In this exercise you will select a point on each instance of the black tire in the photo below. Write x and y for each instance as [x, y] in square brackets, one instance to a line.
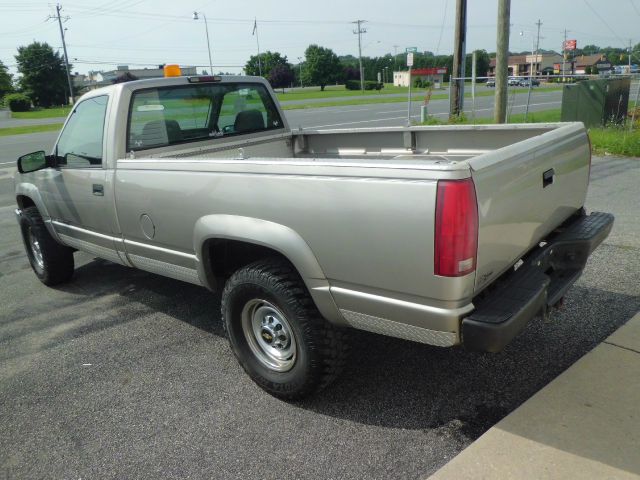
[320, 347]
[56, 263]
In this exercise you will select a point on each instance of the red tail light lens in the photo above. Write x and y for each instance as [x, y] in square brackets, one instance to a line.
[456, 232]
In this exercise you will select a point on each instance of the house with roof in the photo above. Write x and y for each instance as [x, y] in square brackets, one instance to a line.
[522, 65]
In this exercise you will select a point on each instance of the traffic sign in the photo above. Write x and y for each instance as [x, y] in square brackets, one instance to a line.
[411, 49]
[410, 60]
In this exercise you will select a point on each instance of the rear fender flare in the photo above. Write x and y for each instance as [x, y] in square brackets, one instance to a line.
[274, 236]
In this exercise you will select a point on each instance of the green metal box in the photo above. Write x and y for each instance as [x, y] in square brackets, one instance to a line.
[596, 102]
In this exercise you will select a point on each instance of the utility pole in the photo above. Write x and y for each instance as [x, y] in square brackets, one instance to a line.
[629, 56]
[359, 31]
[64, 48]
[395, 56]
[564, 53]
[456, 102]
[502, 61]
[534, 68]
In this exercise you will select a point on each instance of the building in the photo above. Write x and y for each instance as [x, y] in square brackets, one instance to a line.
[520, 65]
[433, 75]
[95, 80]
[596, 63]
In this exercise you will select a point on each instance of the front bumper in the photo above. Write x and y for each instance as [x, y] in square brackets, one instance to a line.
[538, 284]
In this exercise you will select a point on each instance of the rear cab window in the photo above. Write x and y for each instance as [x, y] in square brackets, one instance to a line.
[165, 116]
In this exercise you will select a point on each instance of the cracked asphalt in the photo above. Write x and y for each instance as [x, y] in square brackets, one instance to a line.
[125, 374]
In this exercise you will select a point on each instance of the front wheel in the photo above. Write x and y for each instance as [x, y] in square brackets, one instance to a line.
[277, 333]
[51, 262]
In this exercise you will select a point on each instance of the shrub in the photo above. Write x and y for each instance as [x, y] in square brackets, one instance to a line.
[368, 85]
[352, 84]
[17, 102]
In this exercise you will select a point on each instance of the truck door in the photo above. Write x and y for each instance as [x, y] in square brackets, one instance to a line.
[77, 191]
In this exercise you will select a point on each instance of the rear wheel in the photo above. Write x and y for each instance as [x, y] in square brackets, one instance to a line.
[51, 262]
[277, 333]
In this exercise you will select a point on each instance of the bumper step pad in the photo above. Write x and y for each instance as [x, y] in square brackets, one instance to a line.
[540, 282]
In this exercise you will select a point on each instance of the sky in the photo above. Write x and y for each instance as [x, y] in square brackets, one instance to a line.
[101, 35]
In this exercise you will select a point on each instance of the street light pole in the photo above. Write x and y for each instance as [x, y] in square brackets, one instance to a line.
[206, 29]
[300, 65]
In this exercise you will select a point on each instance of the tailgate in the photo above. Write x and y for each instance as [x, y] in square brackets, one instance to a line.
[524, 191]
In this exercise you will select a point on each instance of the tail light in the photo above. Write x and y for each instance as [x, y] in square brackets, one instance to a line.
[456, 232]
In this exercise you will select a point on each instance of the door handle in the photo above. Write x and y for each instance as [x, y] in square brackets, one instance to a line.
[547, 177]
[98, 190]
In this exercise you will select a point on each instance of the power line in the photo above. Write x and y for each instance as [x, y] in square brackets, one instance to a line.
[444, 18]
[604, 22]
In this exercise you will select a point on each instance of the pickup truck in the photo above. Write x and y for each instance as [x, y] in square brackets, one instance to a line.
[445, 235]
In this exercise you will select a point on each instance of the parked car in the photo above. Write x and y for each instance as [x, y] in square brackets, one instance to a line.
[525, 82]
[446, 235]
[491, 82]
[514, 81]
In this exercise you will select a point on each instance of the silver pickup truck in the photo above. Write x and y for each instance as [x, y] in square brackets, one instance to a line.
[446, 235]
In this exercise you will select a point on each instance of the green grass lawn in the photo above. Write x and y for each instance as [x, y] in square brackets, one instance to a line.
[43, 113]
[29, 129]
[615, 141]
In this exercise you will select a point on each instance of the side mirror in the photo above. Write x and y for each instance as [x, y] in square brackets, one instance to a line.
[33, 161]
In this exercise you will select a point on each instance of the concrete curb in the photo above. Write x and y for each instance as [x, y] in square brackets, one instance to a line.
[585, 424]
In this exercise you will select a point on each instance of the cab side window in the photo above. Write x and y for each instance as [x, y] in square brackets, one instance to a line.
[81, 141]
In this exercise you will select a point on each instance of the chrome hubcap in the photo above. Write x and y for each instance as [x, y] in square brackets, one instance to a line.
[269, 335]
[35, 249]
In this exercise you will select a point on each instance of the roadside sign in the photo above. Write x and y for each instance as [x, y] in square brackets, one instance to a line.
[411, 50]
[410, 59]
[570, 44]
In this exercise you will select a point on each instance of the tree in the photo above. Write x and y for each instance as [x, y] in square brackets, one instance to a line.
[6, 83]
[322, 66]
[43, 75]
[482, 63]
[590, 49]
[280, 76]
[268, 60]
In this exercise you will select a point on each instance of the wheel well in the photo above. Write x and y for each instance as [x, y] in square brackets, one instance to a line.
[222, 257]
[24, 202]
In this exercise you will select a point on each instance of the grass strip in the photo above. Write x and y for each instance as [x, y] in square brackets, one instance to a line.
[615, 141]
[612, 140]
[44, 113]
[49, 127]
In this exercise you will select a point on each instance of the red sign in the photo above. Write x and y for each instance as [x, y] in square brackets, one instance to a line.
[429, 71]
[570, 44]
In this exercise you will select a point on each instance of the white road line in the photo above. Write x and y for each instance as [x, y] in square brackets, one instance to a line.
[360, 121]
[8, 163]
[313, 110]
[433, 114]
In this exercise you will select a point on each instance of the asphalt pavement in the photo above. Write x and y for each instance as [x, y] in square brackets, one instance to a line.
[125, 374]
[122, 373]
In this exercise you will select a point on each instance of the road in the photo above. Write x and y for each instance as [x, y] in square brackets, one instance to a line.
[347, 116]
[125, 374]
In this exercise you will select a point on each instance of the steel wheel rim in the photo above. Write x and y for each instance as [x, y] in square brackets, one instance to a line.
[269, 335]
[36, 250]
